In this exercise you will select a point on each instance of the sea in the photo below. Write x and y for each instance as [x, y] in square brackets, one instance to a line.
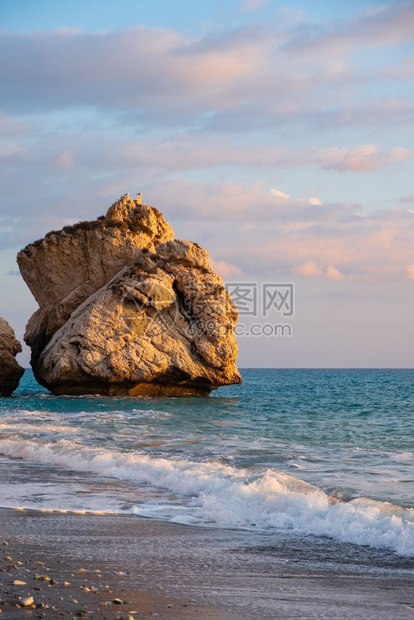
[323, 454]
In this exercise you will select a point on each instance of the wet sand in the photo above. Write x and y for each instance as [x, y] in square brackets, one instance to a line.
[113, 567]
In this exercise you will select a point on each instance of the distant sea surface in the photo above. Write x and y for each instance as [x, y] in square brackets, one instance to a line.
[319, 453]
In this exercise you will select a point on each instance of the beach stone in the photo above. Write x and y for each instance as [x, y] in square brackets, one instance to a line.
[155, 321]
[26, 602]
[10, 371]
[17, 582]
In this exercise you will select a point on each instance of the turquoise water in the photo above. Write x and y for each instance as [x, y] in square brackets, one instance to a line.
[318, 452]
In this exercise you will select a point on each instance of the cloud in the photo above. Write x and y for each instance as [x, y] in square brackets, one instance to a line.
[332, 273]
[226, 269]
[380, 26]
[260, 232]
[11, 127]
[279, 194]
[410, 272]
[236, 79]
[408, 198]
[364, 158]
[65, 159]
[254, 5]
[179, 151]
[87, 117]
[247, 228]
[309, 269]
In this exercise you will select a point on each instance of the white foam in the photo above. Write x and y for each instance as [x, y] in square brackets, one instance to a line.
[225, 496]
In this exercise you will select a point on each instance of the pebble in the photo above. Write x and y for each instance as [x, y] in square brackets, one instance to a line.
[8, 559]
[26, 602]
[117, 601]
[17, 582]
[66, 584]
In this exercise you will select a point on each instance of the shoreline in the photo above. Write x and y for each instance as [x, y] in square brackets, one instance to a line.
[36, 550]
[164, 570]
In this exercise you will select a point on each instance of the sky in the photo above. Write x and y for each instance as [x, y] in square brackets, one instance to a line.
[277, 135]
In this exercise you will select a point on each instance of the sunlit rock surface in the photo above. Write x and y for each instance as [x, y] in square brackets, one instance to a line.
[10, 371]
[127, 310]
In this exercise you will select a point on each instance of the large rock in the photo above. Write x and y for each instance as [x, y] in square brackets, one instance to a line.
[10, 371]
[67, 266]
[154, 320]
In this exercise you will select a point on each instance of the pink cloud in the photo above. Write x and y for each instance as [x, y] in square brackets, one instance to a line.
[65, 159]
[332, 273]
[241, 75]
[309, 269]
[226, 269]
[410, 272]
[249, 227]
[364, 158]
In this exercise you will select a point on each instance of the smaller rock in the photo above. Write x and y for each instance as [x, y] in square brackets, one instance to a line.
[10, 371]
[17, 582]
[117, 601]
[26, 602]
[8, 559]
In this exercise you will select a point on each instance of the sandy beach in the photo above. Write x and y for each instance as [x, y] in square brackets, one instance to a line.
[107, 567]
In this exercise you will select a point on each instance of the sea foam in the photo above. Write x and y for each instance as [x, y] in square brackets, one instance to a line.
[221, 495]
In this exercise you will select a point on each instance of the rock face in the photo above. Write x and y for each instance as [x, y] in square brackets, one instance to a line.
[66, 267]
[127, 310]
[10, 371]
